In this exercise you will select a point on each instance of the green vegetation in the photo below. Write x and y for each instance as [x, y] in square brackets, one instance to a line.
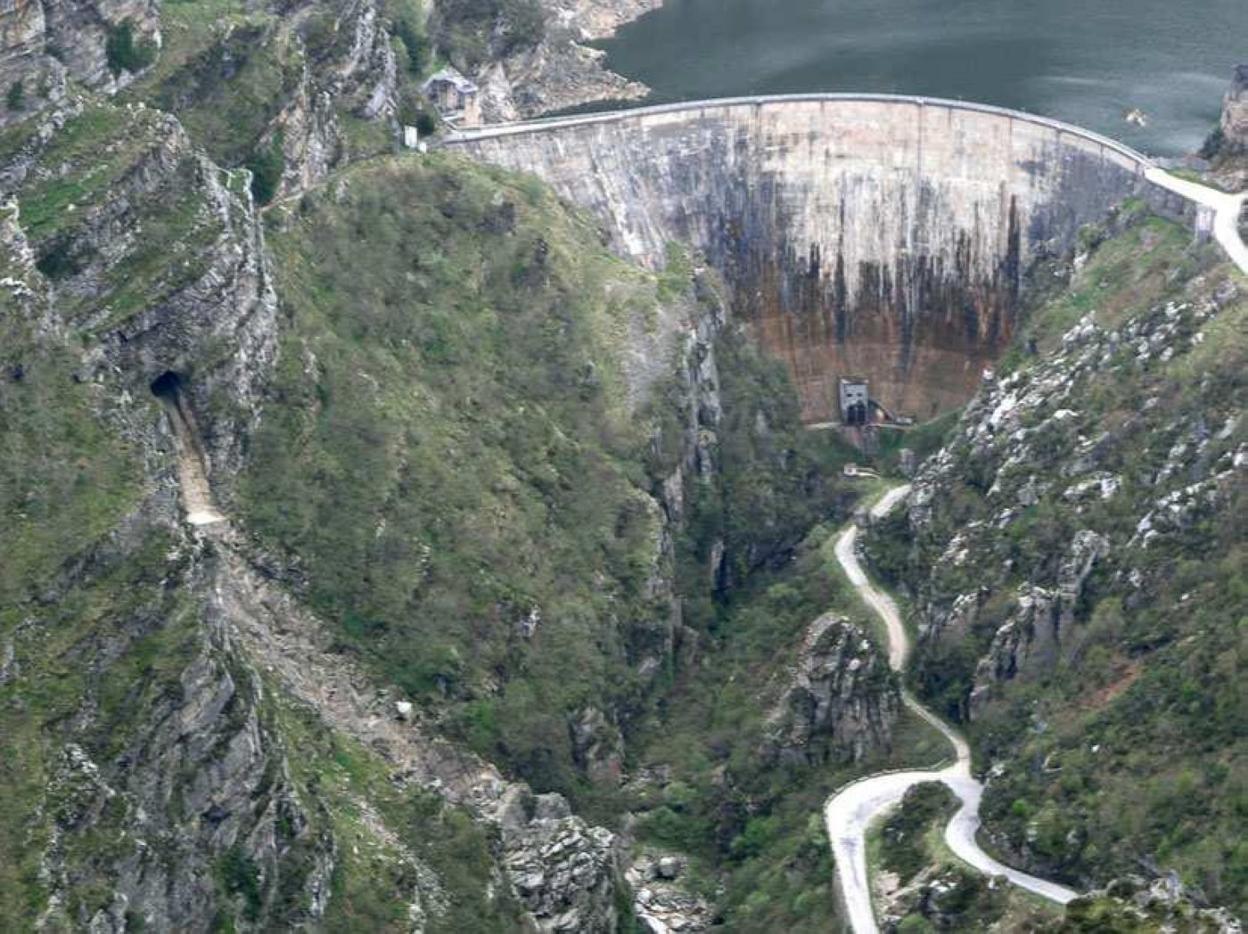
[227, 70]
[413, 45]
[902, 838]
[1127, 743]
[15, 97]
[101, 147]
[124, 52]
[450, 440]
[750, 823]
[266, 166]
[356, 789]
[1135, 257]
[469, 32]
[64, 479]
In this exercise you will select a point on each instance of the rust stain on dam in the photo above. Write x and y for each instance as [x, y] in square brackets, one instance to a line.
[871, 236]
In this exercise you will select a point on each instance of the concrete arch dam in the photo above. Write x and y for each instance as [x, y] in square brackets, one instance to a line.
[866, 235]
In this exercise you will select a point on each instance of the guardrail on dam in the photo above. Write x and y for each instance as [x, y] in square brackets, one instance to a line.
[874, 235]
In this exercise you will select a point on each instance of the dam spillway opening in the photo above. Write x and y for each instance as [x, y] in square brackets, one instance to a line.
[869, 237]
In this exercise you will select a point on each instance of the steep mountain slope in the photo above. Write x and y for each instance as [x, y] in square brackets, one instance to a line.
[146, 762]
[1075, 557]
[505, 601]
[456, 443]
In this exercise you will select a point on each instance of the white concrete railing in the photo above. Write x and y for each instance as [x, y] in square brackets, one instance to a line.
[1225, 208]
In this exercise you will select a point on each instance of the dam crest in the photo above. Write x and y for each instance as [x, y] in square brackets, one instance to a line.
[860, 234]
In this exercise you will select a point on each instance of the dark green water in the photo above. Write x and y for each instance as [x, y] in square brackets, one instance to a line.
[1085, 61]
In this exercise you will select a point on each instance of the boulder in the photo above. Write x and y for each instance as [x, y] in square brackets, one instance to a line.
[840, 701]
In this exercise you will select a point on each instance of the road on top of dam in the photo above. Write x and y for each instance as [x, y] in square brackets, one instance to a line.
[849, 812]
[1224, 207]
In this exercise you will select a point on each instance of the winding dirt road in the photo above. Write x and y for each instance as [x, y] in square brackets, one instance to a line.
[848, 813]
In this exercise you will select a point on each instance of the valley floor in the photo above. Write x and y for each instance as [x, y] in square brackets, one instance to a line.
[854, 808]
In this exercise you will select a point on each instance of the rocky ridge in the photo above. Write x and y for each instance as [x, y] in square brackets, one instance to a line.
[563, 870]
[1049, 551]
[46, 43]
[839, 702]
[561, 71]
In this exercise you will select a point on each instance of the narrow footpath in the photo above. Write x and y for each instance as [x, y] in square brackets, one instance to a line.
[849, 812]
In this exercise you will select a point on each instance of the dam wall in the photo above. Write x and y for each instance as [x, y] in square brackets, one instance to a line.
[865, 235]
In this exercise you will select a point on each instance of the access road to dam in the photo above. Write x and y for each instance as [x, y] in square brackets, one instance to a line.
[849, 812]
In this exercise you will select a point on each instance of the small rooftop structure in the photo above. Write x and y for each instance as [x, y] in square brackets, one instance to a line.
[457, 98]
[854, 400]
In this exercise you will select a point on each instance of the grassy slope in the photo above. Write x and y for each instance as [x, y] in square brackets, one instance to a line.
[448, 450]
[1141, 722]
[94, 639]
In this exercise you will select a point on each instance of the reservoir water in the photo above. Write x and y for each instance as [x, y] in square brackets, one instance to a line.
[1089, 62]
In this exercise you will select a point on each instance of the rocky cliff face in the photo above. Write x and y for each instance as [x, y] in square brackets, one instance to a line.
[358, 77]
[45, 42]
[558, 70]
[161, 261]
[290, 90]
[840, 701]
[1234, 122]
[1228, 144]
[1045, 547]
[179, 768]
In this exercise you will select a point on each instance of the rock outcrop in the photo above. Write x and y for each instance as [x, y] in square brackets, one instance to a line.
[1234, 122]
[45, 42]
[153, 306]
[1227, 146]
[357, 77]
[1030, 640]
[840, 701]
[560, 71]
[166, 766]
[660, 901]
[1162, 904]
[563, 870]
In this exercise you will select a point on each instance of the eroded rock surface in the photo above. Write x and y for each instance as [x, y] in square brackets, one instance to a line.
[44, 43]
[840, 701]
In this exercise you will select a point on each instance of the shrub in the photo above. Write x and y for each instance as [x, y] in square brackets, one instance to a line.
[240, 876]
[415, 44]
[267, 164]
[16, 96]
[426, 125]
[470, 31]
[124, 52]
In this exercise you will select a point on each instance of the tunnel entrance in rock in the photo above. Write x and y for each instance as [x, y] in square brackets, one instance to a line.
[167, 385]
